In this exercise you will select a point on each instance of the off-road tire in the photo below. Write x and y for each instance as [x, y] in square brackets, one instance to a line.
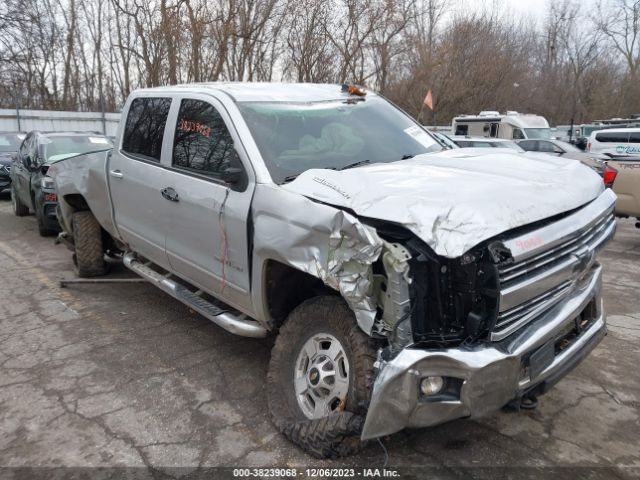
[19, 208]
[87, 238]
[338, 434]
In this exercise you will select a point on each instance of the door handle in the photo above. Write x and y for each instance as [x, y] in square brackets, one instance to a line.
[116, 173]
[170, 194]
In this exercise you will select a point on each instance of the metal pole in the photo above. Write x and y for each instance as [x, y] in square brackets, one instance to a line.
[18, 113]
[571, 131]
[104, 120]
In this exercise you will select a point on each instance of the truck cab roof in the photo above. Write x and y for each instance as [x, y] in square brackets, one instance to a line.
[263, 91]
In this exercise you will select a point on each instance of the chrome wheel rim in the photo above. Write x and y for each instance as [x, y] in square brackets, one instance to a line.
[321, 376]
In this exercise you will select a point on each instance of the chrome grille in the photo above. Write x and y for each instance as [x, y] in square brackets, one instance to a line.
[539, 279]
[546, 259]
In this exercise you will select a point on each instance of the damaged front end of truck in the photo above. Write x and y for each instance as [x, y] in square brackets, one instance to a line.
[508, 318]
[476, 299]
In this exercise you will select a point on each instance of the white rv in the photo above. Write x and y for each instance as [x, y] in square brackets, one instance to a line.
[511, 125]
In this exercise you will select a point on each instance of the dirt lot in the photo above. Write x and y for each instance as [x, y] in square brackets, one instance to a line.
[123, 375]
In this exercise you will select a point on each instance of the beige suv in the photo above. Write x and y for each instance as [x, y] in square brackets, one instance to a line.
[627, 187]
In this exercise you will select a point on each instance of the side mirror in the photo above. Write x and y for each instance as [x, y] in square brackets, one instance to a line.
[232, 175]
[235, 175]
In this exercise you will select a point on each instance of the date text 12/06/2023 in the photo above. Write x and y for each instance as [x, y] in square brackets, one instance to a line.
[316, 472]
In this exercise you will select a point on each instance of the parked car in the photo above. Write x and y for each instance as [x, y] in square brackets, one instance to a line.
[566, 150]
[626, 185]
[509, 125]
[9, 144]
[409, 285]
[484, 142]
[31, 187]
[607, 173]
[615, 142]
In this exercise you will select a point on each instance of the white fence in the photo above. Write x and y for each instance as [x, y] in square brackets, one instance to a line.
[51, 121]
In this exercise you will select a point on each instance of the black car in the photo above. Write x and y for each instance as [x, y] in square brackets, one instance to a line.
[9, 144]
[31, 188]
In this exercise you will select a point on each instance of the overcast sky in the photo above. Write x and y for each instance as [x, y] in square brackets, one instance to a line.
[535, 9]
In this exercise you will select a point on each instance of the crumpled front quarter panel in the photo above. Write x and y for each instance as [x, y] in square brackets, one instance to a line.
[321, 240]
[86, 175]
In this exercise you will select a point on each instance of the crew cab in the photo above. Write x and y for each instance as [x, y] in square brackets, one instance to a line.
[408, 285]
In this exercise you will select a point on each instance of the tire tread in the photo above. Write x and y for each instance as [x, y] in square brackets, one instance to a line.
[87, 238]
[336, 435]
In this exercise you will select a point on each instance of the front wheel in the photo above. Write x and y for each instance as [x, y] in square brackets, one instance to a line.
[319, 378]
[87, 239]
[19, 208]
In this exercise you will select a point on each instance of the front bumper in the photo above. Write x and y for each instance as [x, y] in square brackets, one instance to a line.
[486, 376]
[48, 209]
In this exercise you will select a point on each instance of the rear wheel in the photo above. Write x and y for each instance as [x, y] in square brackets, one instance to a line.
[19, 208]
[319, 378]
[87, 239]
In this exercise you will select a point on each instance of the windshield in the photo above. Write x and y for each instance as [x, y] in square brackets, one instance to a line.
[543, 133]
[60, 147]
[295, 137]
[10, 142]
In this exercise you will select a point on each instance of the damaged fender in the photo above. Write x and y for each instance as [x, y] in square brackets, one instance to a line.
[321, 240]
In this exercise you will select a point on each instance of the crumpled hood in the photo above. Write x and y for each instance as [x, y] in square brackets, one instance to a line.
[454, 200]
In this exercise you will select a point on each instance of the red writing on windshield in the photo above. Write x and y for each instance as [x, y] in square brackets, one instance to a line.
[191, 126]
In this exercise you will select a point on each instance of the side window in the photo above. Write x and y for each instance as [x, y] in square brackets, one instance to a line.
[144, 129]
[462, 130]
[634, 137]
[202, 141]
[493, 130]
[24, 148]
[612, 137]
[517, 134]
[528, 145]
[546, 147]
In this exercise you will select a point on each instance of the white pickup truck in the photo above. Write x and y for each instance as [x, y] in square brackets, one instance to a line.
[408, 285]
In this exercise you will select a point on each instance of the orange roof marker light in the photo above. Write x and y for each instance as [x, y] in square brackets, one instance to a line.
[354, 90]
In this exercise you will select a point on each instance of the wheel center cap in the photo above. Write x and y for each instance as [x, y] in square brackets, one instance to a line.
[314, 376]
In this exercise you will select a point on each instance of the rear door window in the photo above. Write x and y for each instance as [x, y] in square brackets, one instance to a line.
[202, 142]
[144, 130]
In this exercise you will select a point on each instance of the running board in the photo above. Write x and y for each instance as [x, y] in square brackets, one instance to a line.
[219, 316]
